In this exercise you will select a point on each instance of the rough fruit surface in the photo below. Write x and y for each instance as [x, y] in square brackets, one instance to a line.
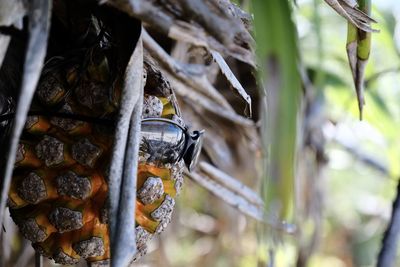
[59, 187]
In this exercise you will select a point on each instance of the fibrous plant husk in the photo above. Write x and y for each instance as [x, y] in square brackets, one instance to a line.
[49, 158]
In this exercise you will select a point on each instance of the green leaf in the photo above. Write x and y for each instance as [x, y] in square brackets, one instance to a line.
[278, 58]
[358, 49]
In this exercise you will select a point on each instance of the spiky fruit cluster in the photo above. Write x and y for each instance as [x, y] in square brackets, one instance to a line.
[59, 187]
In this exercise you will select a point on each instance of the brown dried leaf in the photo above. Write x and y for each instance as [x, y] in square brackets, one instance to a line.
[352, 14]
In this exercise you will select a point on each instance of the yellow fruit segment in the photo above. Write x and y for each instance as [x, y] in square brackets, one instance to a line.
[58, 193]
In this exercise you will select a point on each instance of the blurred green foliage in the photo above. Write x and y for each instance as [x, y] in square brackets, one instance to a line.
[358, 181]
[357, 195]
[278, 57]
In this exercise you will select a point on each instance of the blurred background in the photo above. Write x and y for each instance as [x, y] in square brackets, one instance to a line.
[347, 192]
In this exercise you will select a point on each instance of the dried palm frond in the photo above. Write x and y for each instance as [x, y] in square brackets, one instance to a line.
[349, 10]
[212, 24]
